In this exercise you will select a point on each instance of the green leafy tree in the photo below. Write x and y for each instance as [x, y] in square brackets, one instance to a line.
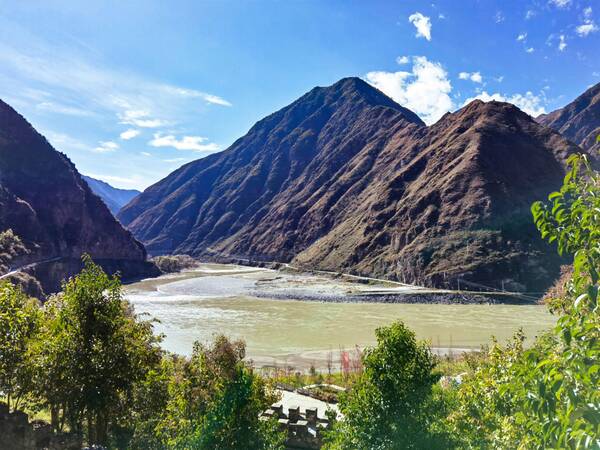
[19, 319]
[215, 402]
[392, 405]
[92, 353]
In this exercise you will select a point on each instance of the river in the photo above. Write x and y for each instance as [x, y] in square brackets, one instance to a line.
[234, 300]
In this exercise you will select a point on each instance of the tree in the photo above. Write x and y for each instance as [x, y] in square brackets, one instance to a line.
[92, 352]
[19, 319]
[548, 396]
[392, 405]
[215, 402]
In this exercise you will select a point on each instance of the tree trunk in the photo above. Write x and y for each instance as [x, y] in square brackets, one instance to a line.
[90, 424]
[101, 429]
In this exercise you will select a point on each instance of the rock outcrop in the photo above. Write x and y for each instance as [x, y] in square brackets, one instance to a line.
[346, 179]
[44, 200]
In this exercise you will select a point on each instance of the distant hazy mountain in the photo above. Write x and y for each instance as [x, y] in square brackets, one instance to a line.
[579, 121]
[346, 179]
[44, 200]
[114, 198]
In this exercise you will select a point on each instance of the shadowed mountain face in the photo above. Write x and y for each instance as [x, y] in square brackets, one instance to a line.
[47, 204]
[113, 197]
[579, 121]
[346, 179]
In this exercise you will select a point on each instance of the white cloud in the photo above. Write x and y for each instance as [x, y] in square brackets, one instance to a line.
[587, 12]
[425, 90]
[195, 143]
[140, 119]
[529, 103]
[530, 14]
[522, 37]
[499, 79]
[145, 154]
[474, 77]
[175, 160]
[62, 109]
[586, 28]
[562, 44]
[561, 3]
[499, 17]
[129, 134]
[63, 142]
[120, 182]
[422, 24]
[441, 16]
[66, 80]
[106, 147]
[530, 50]
[402, 59]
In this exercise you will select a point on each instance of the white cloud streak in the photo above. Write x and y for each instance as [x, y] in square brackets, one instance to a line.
[194, 143]
[422, 24]
[561, 3]
[586, 29]
[562, 44]
[129, 134]
[106, 147]
[475, 77]
[528, 102]
[424, 90]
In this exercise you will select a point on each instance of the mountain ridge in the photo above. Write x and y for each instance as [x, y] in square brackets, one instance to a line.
[364, 186]
[45, 201]
[114, 198]
[579, 120]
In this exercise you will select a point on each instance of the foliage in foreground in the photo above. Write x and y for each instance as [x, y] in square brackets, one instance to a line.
[548, 396]
[392, 405]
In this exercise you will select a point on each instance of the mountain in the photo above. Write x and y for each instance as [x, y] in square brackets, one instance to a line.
[346, 179]
[114, 198]
[44, 200]
[579, 121]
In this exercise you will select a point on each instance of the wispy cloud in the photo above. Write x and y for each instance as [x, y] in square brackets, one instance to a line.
[587, 28]
[522, 37]
[106, 147]
[129, 134]
[194, 143]
[59, 80]
[424, 90]
[530, 50]
[528, 102]
[562, 43]
[62, 109]
[561, 3]
[422, 23]
[474, 76]
[402, 60]
[140, 119]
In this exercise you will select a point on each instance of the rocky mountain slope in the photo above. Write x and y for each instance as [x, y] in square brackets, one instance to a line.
[44, 200]
[113, 197]
[579, 121]
[346, 179]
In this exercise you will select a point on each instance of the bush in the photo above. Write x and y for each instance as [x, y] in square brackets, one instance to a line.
[392, 405]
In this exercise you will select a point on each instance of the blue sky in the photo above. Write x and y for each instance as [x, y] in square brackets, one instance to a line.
[131, 90]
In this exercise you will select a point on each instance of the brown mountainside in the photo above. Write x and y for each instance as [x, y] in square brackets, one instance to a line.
[345, 179]
[579, 121]
[44, 200]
